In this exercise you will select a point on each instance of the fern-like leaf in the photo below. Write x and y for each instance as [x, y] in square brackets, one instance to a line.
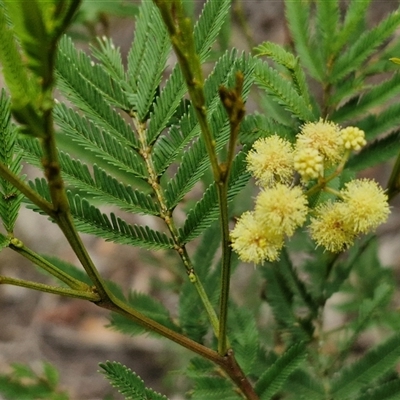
[290, 62]
[100, 142]
[166, 104]
[384, 122]
[128, 383]
[364, 371]
[327, 18]
[352, 25]
[386, 391]
[101, 186]
[213, 388]
[10, 198]
[205, 33]
[304, 387]
[272, 380]
[209, 25]
[13, 69]
[298, 16]
[377, 96]
[111, 60]
[89, 219]
[363, 47]
[83, 93]
[281, 299]
[282, 90]
[153, 63]
[92, 73]
[245, 337]
[370, 307]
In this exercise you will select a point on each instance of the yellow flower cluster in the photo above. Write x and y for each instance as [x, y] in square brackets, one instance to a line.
[281, 208]
[363, 207]
[260, 235]
[271, 160]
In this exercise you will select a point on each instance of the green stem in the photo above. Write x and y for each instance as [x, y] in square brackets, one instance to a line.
[66, 225]
[166, 215]
[207, 304]
[19, 247]
[181, 33]
[234, 106]
[41, 287]
[225, 270]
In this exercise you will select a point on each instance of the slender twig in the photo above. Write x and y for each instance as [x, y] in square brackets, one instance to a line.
[41, 287]
[181, 33]
[234, 106]
[166, 215]
[18, 246]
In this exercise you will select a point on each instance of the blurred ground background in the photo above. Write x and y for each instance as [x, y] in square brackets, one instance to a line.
[71, 333]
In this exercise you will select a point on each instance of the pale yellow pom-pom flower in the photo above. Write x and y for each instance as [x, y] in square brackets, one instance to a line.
[308, 163]
[323, 136]
[353, 138]
[329, 228]
[271, 160]
[253, 242]
[283, 209]
[366, 204]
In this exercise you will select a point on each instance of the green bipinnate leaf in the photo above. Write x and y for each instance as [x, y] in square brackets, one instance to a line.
[361, 373]
[128, 383]
[272, 380]
[10, 197]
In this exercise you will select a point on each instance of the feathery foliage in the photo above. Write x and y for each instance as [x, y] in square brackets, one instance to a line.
[128, 383]
[143, 152]
[10, 198]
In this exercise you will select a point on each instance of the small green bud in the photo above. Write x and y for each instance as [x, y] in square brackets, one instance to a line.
[17, 243]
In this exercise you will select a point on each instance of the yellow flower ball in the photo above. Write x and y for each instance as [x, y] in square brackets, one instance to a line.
[271, 160]
[353, 138]
[308, 163]
[253, 242]
[324, 137]
[283, 209]
[329, 228]
[366, 205]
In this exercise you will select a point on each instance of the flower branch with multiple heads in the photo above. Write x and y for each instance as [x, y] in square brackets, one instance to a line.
[317, 157]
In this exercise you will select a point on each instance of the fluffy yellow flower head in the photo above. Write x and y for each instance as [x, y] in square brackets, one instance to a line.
[353, 138]
[366, 204]
[271, 160]
[329, 229]
[253, 242]
[281, 208]
[308, 163]
[324, 137]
